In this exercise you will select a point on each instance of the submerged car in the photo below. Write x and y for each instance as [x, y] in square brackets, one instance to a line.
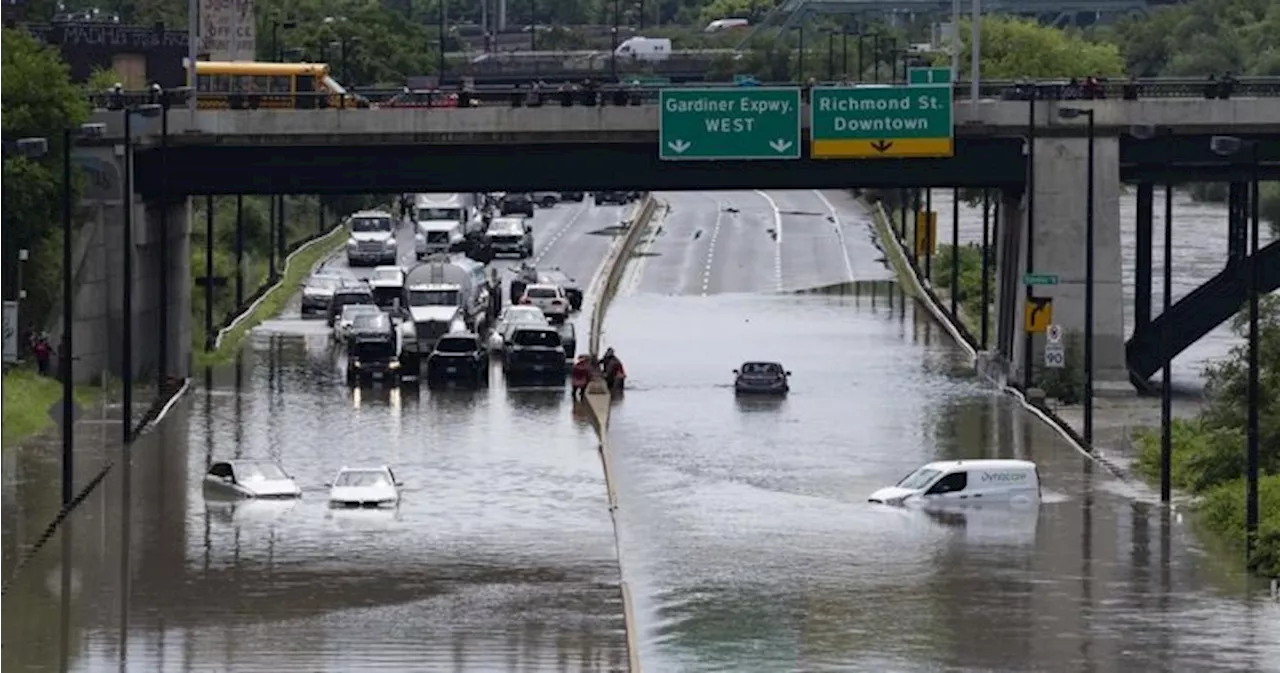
[549, 298]
[534, 352]
[572, 292]
[762, 378]
[458, 356]
[349, 293]
[342, 326]
[964, 482]
[364, 487]
[250, 479]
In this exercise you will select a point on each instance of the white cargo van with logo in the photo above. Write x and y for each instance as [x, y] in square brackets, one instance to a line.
[955, 482]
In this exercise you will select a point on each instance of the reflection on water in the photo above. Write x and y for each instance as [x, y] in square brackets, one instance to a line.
[500, 556]
[748, 544]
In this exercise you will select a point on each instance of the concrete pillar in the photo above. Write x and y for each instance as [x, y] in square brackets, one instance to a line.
[1060, 192]
[98, 259]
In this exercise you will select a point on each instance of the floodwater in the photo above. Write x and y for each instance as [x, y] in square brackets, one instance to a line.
[501, 555]
[745, 536]
[1199, 253]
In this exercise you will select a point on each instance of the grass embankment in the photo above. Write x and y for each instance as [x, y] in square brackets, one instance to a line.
[302, 223]
[28, 398]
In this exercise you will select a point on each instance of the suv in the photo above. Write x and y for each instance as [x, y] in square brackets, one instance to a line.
[348, 294]
[573, 196]
[602, 198]
[509, 236]
[458, 356]
[516, 204]
[373, 349]
[570, 286]
[546, 199]
[534, 352]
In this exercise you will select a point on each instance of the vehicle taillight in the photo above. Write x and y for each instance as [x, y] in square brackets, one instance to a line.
[524, 300]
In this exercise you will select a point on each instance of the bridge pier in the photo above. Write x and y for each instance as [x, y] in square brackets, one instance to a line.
[161, 271]
[1058, 248]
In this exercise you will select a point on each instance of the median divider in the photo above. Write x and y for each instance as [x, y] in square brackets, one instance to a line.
[599, 399]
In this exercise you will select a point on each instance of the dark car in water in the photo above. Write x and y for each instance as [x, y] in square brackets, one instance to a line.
[534, 352]
[460, 357]
[516, 204]
[761, 378]
[348, 294]
[373, 349]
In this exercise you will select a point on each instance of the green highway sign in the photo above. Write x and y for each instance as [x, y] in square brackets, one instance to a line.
[1039, 279]
[928, 76]
[881, 122]
[727, 124]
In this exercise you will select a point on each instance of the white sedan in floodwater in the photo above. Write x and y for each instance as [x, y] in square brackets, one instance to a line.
[364, 487]
[249, 479]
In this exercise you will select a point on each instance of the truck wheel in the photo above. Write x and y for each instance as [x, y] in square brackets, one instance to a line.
[548, 202]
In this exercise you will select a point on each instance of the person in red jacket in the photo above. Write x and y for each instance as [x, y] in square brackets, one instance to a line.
[580, 376]
[43, 352]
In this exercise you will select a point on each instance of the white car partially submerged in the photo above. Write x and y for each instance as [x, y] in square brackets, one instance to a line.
[511, 317]
[951, 483]
[250, 479]
[364, 487]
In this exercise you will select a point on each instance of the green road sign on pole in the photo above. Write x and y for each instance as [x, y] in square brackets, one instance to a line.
[1039, 279]
[728, 124]
[881, 122]
[928, 76]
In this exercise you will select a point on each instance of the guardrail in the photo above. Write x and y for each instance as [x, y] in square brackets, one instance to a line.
[562, 93]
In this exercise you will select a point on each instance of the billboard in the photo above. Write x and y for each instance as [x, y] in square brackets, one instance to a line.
[227, 30]
[10, 332]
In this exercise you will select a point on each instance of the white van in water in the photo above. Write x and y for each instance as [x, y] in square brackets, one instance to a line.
[955, 482]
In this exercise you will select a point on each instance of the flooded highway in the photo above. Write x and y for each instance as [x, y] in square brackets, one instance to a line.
[746, 538]
[500, 557]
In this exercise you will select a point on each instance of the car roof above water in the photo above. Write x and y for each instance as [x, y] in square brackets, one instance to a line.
[980, 464]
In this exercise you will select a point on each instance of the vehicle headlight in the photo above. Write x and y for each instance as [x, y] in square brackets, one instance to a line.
[420, 238]
[394, 365]
[352, 243]
[390, 243]
[355, 363]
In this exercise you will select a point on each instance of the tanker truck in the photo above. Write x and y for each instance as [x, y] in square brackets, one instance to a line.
[442, 292]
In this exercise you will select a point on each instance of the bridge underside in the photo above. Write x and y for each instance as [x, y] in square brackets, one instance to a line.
[354, 169]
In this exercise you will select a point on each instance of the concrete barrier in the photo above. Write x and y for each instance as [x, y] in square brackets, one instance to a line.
[599, 399]
[615, 265]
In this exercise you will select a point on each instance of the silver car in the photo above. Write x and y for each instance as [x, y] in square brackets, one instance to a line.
[317, 292]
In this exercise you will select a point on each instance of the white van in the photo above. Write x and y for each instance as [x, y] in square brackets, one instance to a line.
[726, 24]
[955, 482]
[645, 48]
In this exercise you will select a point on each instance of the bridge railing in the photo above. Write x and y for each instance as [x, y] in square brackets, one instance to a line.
[556, 93]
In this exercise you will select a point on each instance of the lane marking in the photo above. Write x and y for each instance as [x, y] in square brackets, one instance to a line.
[777, 230]
[568, 224]
[844, 246]
[711, 248]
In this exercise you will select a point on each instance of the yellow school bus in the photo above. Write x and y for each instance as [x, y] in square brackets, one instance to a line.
[242, 85]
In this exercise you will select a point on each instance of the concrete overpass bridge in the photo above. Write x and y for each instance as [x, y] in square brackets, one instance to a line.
[400, 150]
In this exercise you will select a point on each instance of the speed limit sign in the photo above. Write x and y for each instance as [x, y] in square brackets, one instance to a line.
[1053, 334]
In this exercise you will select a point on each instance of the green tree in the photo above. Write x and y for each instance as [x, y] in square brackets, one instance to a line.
[39, 100]
[1013, 48]
[1202, 37]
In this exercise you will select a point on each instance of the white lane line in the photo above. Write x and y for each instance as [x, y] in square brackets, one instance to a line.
[568, 224]
[711, 248]
[777, 230]
[844, 246]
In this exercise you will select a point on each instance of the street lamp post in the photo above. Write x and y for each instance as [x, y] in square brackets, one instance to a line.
[276, 25]
[831, 56]
[442, 29]
[30, 147]
[126, 373]
[1231, 146]
[1088, 113]
[64, 349]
